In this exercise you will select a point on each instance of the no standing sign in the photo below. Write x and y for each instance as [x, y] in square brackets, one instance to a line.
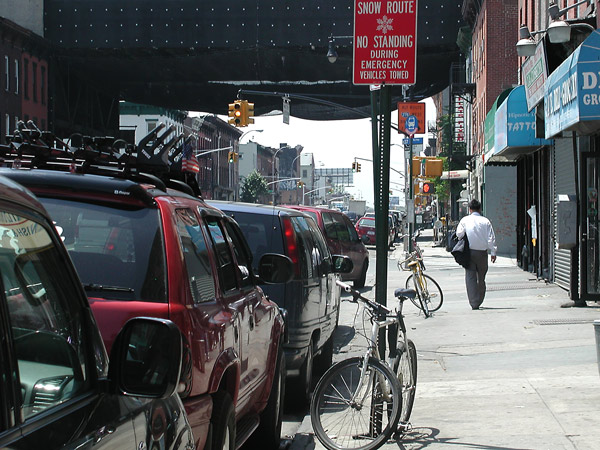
[385, 41]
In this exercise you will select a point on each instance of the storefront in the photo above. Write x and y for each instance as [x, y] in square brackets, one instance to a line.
[572, 113]
[524, 158]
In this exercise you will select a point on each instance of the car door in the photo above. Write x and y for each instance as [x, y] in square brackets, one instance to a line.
[47, 350]
[243, 302]
[330, 231]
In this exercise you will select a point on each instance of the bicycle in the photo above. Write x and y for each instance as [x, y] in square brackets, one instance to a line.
[429, 296]
[359, 402]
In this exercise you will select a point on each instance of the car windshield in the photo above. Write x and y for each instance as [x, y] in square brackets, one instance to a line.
[117, 249]
[368, 223]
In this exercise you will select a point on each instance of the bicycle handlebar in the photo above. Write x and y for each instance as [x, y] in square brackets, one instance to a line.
[374, 306]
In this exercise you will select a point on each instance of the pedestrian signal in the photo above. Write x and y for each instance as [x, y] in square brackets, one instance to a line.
[428, 188]
[235, 112]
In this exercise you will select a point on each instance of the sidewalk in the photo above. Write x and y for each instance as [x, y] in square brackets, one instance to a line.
[521, 373]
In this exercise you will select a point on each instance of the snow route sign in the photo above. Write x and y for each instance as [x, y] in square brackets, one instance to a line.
[385, 41]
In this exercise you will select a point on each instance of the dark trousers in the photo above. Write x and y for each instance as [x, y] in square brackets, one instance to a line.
[475, 277]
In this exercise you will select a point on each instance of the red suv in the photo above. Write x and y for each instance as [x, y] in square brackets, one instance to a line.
[342, 239]
[144, 247]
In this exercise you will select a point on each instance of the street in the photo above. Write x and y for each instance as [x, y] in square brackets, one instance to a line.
[521, 373]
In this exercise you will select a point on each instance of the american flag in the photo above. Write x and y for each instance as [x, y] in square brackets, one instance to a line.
[189, 162]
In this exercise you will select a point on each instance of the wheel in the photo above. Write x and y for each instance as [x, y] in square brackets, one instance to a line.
[405, 366]
[433, 295]
[302, 388]
[360, 283]
[365, 422]
[325, 358]
[268, 433]
[223, 422]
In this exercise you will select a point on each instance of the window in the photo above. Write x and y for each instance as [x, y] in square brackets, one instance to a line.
[227, 273]
[151, 125]
[46, 321]
[16, 76]
[7, 73]
[329, 226]
[43, 87]
[124, 240]
[26, 79]
[195, 252]
[34, 84]
[242, 254]
[7, 125]
[341, 228]
[308, 255]
[304, 173]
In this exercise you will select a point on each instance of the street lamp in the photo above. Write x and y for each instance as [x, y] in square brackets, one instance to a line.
[332, 55]
[273, 170]
[559, 31]
[248, 132]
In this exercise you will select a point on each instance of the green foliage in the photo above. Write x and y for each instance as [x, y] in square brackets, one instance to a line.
[253, 186]
[442, 187]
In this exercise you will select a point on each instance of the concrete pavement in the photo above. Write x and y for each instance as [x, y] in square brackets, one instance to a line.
[521, 373]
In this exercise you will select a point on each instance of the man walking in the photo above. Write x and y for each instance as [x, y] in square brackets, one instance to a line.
[481, 238]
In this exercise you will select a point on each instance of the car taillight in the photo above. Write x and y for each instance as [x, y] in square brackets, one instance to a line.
[290, 243]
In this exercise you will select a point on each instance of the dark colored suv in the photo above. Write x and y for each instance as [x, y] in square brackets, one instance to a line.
[58, 388]
[311, 298]
[342, 239]
[145, 246]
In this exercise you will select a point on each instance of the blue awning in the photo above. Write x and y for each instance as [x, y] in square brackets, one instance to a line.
[514, 127]
[572, 91]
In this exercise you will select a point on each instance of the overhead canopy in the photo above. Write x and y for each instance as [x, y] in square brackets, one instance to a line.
[489, 124]
[572, 91]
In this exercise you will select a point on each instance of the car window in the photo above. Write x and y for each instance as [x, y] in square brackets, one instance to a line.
[197, 259]
[340, 227]
[329, 225]
[45, 318]
[309, 256]
[366, 222]
[319, 241]
[239, 249]
[125, 242]
[225, 263]
[351, 230]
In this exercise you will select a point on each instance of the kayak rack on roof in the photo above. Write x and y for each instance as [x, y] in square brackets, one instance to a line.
[153, 160]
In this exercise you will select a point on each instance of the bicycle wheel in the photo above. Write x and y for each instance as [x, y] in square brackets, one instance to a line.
[405, 366]
[418, 299]
[349, 414]
[428, 291]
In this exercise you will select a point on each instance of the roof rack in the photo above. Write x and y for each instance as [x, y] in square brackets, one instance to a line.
[156, 159]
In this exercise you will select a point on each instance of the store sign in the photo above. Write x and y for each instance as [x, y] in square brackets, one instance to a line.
[572, 91]
[514, 125]
[459, 119]
[385, 42]
[535, 73]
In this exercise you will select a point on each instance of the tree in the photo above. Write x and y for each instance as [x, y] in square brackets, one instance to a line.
[253, 186]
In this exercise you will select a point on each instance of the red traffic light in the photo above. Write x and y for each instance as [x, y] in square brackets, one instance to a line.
[428, 188]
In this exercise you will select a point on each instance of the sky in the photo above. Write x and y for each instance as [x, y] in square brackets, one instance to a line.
[335, 143]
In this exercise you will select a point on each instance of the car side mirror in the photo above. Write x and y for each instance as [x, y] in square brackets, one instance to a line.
[342, 264]
[146, 358]
[274, 268]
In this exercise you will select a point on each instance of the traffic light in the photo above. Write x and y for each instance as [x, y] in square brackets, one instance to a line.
[231, 157]
[428, 188]
[300, 184]
[249, 112]
[358, 167]
[354, 164]
[235, 112]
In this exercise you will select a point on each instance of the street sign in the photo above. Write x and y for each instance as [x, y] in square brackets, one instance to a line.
[385, 42]
[411, 125]
[286, 110]
[416, 109]
[415, 141]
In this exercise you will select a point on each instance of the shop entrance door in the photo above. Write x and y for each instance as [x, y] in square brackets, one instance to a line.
[590, 227]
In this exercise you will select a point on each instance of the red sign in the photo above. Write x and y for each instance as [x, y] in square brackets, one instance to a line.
[385, 41]
[406, 109]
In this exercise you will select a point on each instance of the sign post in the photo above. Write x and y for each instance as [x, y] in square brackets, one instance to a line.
[411, 125]
[385, 53]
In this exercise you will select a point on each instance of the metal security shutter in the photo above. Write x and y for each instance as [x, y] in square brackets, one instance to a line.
[564, 183]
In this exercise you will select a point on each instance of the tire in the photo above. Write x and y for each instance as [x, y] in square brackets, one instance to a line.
[406, 371]
[302, 388]
[268, 433]
[434, 297]
[325, 358]
[222, 422]
[340, 425]
[360, 283]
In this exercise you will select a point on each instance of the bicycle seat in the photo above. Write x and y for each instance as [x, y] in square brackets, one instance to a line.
[405, 293]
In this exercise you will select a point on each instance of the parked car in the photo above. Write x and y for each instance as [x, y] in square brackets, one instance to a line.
[59, 389]
[311, 298]
[144, 249]
[365, 227]
[342, 239]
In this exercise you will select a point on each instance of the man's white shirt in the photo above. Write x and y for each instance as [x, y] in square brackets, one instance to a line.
[479, 232]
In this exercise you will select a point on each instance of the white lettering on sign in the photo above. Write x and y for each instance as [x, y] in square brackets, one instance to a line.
[368, 7]
[393, 41]
[406, 6]
[562, 95]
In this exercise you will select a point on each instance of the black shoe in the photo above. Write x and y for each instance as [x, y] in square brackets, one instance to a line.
[474, 307]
